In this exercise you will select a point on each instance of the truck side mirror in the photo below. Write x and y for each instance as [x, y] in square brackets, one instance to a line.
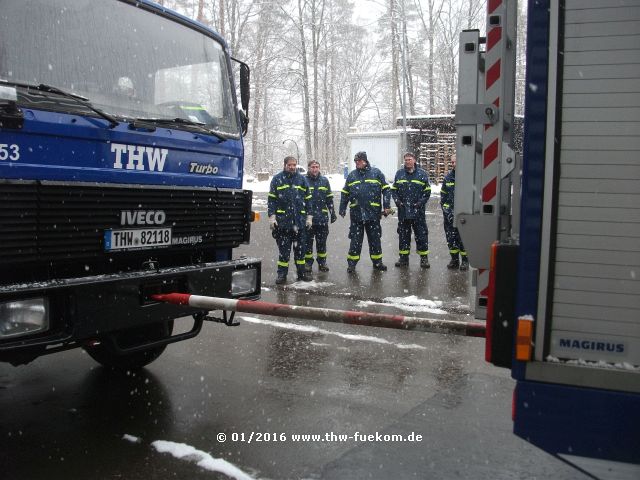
[245, 94]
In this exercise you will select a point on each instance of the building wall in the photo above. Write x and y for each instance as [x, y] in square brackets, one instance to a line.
[383, 151]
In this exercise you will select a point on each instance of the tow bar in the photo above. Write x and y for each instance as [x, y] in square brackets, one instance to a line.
[400, 322]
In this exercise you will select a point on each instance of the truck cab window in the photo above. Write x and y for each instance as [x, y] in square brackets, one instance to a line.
[151, 68]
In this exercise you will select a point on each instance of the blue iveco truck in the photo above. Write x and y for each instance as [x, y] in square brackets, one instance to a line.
[121, 164]
[554, 235]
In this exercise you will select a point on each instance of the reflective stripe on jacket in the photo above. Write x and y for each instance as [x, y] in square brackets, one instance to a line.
[366, 192]
[321, 204]
[411, 191]
[288, 200]
[447, 191]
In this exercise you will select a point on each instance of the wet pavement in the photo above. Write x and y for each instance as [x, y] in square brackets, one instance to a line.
[450, 287]
[269, 379]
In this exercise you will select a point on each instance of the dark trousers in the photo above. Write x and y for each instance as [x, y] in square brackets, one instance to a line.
[420, 232]
[320, 234]
[453, 236]
[356, 234]
[285, 239]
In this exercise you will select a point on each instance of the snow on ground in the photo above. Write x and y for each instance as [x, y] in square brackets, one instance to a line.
[200, 458]
[312, 285]
[188, 453]
[310, 329]
[131, 438]
[409, 304]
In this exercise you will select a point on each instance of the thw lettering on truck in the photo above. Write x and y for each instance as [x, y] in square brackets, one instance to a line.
[135, 157]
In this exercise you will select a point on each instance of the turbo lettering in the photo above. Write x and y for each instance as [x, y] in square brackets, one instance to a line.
[136, 155]
[203, 168]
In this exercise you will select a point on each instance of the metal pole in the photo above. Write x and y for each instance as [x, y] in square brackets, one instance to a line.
[294, 142]
[400, 322]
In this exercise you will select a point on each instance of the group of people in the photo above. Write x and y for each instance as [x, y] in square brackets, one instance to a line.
[300, 209]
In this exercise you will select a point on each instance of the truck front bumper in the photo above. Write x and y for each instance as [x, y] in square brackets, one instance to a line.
[66, 313]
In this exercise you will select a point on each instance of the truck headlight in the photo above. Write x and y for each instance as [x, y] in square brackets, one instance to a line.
[24, 317]
[243, 282]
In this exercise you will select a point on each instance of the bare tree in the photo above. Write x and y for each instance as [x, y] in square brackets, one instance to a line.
[395, 56]
[315, 73]
[430, 20]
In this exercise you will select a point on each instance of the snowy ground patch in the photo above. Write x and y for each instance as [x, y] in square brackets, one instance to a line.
[408, 304]
[259, 204]
[346, 336]
[313, 285]
[202, 459]
[131, 438]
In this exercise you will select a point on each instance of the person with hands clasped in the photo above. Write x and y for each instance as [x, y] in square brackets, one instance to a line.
[368, 197]
[410, 192]
[322, 210]
[288, 208]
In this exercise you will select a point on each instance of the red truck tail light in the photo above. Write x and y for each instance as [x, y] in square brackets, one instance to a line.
[501, 296]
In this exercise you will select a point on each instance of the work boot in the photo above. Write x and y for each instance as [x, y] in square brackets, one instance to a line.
[351, 267]
[465, 263]
[281, 280]
[304, 277]
[424, 262]
[403, 261]
[323, 267]
[308, 267]
[380, 267]
[453, 264]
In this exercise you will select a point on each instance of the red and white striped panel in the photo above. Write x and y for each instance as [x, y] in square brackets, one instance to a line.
[492, 137]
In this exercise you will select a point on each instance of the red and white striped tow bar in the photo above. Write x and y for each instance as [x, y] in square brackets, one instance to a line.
[400, 322]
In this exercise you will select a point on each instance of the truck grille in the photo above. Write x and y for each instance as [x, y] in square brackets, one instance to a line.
[50, 229]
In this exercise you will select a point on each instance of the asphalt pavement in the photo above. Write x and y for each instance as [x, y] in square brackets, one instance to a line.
[451, 288]
[381, 403]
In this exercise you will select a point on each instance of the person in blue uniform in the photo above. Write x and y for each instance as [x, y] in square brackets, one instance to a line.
[322, 210]
[289, 218]
[447, 194]
[368, 197]
[411, 191]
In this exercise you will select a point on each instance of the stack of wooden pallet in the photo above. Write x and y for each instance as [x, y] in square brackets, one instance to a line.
[435, 157]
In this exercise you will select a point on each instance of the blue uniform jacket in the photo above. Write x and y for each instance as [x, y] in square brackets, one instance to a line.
[411, 191]
[366, 192]
[447, 191]
[321, 204]
[288, 200]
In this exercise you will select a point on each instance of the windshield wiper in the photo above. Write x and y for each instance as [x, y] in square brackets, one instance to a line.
[202, 127]
[84, 101]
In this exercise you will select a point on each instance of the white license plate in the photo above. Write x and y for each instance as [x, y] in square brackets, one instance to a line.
[136, 238]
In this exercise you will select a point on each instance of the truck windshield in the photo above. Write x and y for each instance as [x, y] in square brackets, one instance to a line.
[127, 61]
